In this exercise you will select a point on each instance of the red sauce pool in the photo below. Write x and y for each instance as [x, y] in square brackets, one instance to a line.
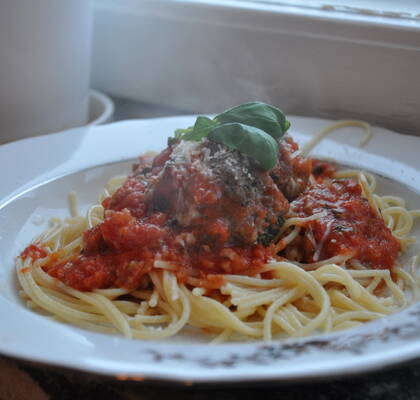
[350, 226]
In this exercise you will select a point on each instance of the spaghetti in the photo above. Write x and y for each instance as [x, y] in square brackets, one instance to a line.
[305, 272]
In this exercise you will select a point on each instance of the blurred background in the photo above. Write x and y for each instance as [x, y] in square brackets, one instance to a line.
[330, 58]
[322, 58]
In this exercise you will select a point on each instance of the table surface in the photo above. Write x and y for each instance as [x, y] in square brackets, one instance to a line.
[22, 380]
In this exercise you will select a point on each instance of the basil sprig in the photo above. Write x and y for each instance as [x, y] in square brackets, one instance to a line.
[251, 128]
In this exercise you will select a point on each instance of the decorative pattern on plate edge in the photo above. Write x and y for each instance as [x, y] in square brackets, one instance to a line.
[266, 354]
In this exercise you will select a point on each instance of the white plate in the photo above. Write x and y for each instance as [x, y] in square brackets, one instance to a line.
[37, 175]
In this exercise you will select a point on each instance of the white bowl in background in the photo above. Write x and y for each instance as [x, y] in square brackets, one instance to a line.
[101, 108]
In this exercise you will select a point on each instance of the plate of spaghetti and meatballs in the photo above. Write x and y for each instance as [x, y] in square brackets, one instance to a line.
[216, 243]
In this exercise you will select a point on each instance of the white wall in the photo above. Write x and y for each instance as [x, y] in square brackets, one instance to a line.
[204, 58]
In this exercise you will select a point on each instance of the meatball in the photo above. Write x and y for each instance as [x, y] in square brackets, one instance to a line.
[200, 184]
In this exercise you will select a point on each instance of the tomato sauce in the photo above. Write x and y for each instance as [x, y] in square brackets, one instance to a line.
[33, 251]
[201, 211]
[204, 211]
[322, 169]
[350, 226]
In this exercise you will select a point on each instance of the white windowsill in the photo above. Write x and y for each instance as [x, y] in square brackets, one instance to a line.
[202, 56]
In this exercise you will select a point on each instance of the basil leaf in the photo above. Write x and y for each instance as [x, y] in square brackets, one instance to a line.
[260, 115]
[202, 127]
[179, 133]
[249, 140]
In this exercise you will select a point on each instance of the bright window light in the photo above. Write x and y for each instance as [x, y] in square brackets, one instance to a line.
[391, 8]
